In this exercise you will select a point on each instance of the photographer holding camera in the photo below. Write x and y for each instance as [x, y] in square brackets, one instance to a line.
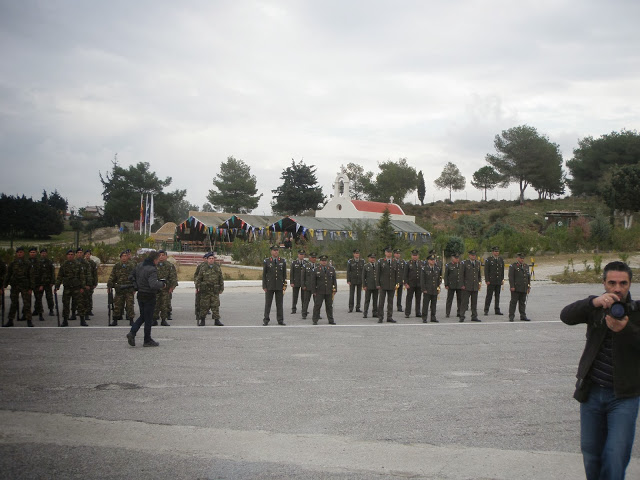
[608, 386]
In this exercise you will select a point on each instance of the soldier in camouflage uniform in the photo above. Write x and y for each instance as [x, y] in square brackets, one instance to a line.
[166, 272]
[195, 277]
[520, 286]
[397, 256]
[296, 275]
[93, 277]
[119, 279]
[210, 284]
[471, 281]
[81, 304]
[370, 286]
[430, 280]
[274, 281]
[38, 289]
[21, 277]
[73, 277]
[307, 278]
[48, 279]
[355, 266]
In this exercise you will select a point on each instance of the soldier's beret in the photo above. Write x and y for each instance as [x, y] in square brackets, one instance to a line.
[414, 252]
[124, 252]
[372, 255]
[33, 249]
[472, 252]
[275, 247]
[79, 249]
[162, 251]
[520, 255]
[356, 251]
[69, 251]
[207, 255]
[495, 249]
[88, 251]
[43, 250]
[18, 249]
[324, 257]
[388, 249]
[301, 252]
[313, 255]
[128, 250]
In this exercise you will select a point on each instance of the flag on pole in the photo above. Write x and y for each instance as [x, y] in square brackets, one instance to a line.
[146, 216]
[151, 215]
[141, 211]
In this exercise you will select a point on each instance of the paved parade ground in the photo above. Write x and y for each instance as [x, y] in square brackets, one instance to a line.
[490, 400]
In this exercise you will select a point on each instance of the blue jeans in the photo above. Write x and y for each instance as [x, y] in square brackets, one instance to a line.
[147, 304]
[607, 430]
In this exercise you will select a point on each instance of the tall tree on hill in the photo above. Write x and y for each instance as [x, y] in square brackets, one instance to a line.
[122, 188]
[422, 190]
[55, 200]
[384, 232]
[395, 179]
[621, 192]
[450, 179]
[359, 181]
[486, 178]
[594, 157]
[521, 155]
[22, 217]
[236, 188]
[299, 191]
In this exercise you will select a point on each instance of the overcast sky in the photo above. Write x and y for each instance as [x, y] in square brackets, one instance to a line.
[183, 85]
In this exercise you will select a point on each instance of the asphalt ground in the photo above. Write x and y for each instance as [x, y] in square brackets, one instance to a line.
[359, 400]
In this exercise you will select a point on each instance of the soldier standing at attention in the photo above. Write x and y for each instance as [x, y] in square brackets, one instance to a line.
[93, 276]
[210, 284]
[471, 281]
[85, 275]
[295, 277]
[48, 279]
[307, 283]
[274, 280]
[430, 280]
[453, 283]
[494, 278]
[354, 280]
[119, 279]
[200, 266]
[520, 286]
[324, 286]
[388, 278]
[397, 256]
[411, 279]
[370, 286]
[38, 289]
[21, 277]
[166, 272]
[71, 276]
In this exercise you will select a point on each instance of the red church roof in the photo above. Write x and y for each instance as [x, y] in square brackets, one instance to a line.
[378, 207]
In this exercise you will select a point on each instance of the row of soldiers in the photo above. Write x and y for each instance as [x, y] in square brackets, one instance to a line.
[35, 275]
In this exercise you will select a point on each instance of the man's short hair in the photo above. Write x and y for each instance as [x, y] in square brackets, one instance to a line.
[616, 266]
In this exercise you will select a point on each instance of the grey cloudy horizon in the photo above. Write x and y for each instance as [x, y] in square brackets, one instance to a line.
[184, 85]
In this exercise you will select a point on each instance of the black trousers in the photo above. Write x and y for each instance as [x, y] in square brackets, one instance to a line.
[450, 293]
[353, 288]
[268, 299]
[306, 298]
[318, 298]
[466, 297]
[519, 298]
[399, 297]
[411, 292]
[294, 300]
[426, 301]
[388, 295]
[146, 304]
[371, 294]
[491, 291]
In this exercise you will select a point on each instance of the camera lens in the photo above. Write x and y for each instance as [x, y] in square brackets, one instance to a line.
[617, 311]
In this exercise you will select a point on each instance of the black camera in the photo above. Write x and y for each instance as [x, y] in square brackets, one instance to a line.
[620, 310]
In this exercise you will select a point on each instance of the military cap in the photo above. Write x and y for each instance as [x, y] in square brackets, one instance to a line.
[472, 252]
[372, 255]
[274, 247]
[456, 255]
[431, 257]
[208, 254]
[79, 249]
[161, 251]
[19, 249]
[356, 251]
[520, 255]
[69, 251]
[33, 249]
[301, 252]
[128, 250]
[324, 257]
[313, 254]
[495, 249]
[397, 250]
[432, 252]
[43, 250]
[88, 251]
[414, 252]
[388, 249]
[124, 252]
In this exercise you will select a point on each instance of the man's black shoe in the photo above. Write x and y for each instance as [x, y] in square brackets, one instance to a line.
[169, 317]
[424, 320]
[150, 343]
[434, 320]
[293, 310]
[461, 320]
[73, 317]
[364, 315]
[131, 338]
[315, 322]
[511, 319]
[218, 323]
[486, 312]
[281, 323]
[90, 314]
[498, 312]
[358, 310]
[391, 320]
[29, 324]
[164, 323]
[84, 324]
[51, 313]
[155, 323]
[379, 320]
[525, 319]
[202, 323]
[350, 310]
[41, 318]
[332, 322]
[476, 320]
[114, 323]
[64, 323]
[400, 309]
[265, 322]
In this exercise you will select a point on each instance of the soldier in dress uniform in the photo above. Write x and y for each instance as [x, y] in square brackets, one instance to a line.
[411, 279]
[520, 286]
[274, 281]
[494, 279]
[397, 256]
[166, 272]
[210, 284]
[388, 279]
[354, 280]
[471, 281]
[453, 283]
[38, 289]
[195, 277]
[295, 278]
[93, 275]
[324, 286]
[21, 277]
[370, 286]
[48, 279]
[430, 280]
[307, 282]
[119, 279]
[72, 276]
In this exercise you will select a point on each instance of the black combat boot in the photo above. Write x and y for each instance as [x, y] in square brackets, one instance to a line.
[64, 323]
[164, 323]
[40, 317]
[82, 322]
[29, 324]
[202, 322]
[155, 323]
[9, 323]
[218, 323]
[51, 313]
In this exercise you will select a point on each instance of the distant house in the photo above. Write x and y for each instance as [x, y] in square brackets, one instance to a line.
[562, 218]
[91, 212]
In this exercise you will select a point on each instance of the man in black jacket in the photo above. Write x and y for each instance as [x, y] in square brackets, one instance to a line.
[145, 280]
[608, 386]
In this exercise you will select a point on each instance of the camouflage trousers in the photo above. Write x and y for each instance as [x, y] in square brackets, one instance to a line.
[16, 292]
[70, 294]
[123, 300]
[88, 299]
[209, 300]
[163, 305]
[46, 291]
